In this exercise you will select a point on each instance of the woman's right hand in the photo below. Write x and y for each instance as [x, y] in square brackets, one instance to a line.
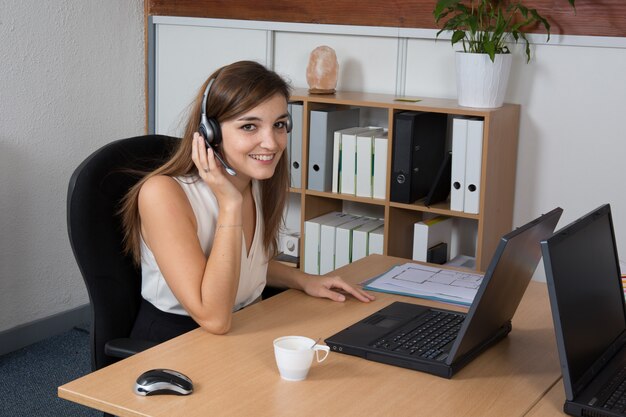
[212, 172]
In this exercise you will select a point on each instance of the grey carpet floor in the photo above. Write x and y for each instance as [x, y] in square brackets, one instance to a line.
[29, 377]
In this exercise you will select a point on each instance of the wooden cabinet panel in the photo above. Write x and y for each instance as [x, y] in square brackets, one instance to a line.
[591, 17]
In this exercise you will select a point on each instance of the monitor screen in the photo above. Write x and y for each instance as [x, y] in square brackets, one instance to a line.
[587, 285]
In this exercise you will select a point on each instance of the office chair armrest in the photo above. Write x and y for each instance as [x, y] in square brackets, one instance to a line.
[125, 347]
[270, 292]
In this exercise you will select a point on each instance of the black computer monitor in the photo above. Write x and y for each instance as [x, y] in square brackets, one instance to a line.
[582, 266]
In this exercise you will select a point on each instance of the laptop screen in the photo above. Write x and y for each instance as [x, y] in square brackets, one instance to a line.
[583, 268]
[505, 282]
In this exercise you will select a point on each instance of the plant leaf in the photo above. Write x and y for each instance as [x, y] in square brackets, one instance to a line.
[444, 5]
[490, 49]
[527, 49]
[457, 36]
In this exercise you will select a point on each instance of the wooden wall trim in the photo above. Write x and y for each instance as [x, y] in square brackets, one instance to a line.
[592, 17]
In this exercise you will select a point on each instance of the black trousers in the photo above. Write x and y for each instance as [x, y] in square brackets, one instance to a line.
[158, 326]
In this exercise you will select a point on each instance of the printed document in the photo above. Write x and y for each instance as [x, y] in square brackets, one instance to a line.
[423, 281]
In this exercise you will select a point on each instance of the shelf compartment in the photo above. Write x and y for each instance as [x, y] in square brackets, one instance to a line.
[347, 197]
[439, 208]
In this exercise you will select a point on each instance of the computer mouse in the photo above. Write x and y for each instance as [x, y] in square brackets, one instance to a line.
[163, 381]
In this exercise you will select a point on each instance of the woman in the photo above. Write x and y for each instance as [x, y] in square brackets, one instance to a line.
[205, 238]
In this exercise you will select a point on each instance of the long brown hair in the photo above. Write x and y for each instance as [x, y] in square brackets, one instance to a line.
[236, 88]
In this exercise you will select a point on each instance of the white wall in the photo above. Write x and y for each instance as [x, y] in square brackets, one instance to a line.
[185, 50]
[572, 134]
[71, 80]
[572, 141]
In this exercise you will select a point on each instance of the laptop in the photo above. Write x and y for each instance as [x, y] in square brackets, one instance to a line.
[440, 341]
[587, 301]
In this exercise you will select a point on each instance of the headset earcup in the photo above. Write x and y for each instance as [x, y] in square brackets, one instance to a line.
[205, 130]
[216, 131]
[289, 123]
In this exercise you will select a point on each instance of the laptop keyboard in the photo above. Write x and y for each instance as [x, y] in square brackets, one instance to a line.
[426, 337]
[613, 395]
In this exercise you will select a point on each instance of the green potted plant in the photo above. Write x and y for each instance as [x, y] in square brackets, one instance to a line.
[484, 28]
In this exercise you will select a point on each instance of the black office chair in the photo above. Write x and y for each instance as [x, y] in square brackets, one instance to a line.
[113, 282]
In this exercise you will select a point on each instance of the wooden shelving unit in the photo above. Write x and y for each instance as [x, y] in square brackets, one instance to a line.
[497, 184]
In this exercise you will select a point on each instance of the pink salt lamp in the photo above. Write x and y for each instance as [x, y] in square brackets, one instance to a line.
[321, 73]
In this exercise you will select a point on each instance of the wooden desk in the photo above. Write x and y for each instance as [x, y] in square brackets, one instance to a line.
[551, 405]
[236, 375]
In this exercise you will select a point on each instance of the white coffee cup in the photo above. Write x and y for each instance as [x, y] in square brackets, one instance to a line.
[294, 355]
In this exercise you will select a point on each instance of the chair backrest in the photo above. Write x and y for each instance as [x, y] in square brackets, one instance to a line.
[94, 227]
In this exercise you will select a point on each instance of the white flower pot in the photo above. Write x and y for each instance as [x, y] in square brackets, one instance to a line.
[480, 82]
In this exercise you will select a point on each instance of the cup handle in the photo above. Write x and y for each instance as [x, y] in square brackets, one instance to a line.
[321, 348]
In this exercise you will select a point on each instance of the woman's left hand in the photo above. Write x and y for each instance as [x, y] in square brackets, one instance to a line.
[332, 287]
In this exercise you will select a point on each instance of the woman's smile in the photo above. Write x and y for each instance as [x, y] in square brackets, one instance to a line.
[263, 157]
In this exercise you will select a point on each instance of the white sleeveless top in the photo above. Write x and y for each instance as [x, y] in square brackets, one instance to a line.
[204, 204]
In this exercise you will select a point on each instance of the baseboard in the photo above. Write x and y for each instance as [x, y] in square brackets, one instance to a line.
[33, 332]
